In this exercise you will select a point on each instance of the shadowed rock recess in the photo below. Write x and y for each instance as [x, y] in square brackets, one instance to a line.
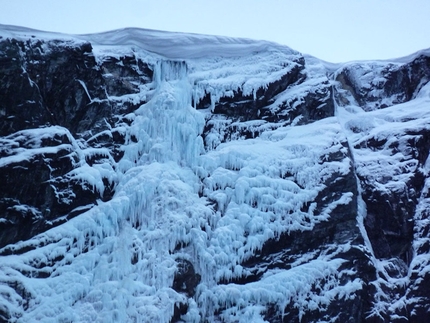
[156, 177]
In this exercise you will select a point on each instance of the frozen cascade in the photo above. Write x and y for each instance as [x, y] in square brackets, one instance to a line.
[174, 200]
[118, 254]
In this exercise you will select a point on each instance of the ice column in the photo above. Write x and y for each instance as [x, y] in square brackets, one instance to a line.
[167, 126]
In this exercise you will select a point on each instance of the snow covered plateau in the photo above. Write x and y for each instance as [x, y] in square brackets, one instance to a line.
[149, 176]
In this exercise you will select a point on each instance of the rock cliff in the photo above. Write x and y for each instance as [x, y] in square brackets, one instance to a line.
[160, 177]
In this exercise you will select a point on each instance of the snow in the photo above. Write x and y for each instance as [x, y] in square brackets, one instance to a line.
[393, 124]
[167, 44]
[25, 145]
[220, 200]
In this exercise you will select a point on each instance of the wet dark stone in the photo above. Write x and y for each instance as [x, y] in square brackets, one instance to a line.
[60, 83]
[28, 199]
[418, 309]
[57, 83]
[389, 222]
[244, 107]
[186, 279]
[180, 309]
[401, 83]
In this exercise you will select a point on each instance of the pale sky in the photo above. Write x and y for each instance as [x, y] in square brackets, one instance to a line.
[333, 30]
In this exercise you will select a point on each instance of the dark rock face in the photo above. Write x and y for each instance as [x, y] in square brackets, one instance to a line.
[59, 88]
[185, 282]
[390, 214]
[246, 107]
[299, 108]
[28, 213]
[393, 193]
[186, 278]
[379, 85]
[64, 113]
[60, 83]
